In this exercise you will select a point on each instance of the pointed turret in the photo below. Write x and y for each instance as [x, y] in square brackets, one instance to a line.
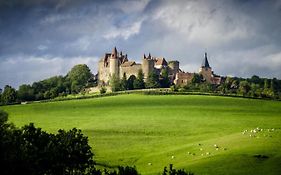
[205, 62]
[114, 53]
[144, 56]
[149, 56]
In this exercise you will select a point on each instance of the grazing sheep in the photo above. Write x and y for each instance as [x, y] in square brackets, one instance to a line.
[217, 149]
[202, 154]
[173, 157]
[207, 153]
[201, 149]
[149, 164]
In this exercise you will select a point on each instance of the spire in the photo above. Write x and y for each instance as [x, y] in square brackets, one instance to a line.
[114, 53]
[205, 62]
[144, 57]
[149, 56]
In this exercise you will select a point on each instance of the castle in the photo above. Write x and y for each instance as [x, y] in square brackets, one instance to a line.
[119, 64]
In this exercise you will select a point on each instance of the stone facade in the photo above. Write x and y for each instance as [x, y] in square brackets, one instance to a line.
[118, 64]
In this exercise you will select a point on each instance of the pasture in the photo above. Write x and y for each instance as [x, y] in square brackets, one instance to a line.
[202, 134]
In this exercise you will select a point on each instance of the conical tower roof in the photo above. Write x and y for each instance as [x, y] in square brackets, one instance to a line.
[205, 62]
[114, 53]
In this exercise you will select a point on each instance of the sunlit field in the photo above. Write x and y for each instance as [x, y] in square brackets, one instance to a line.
[202, 134]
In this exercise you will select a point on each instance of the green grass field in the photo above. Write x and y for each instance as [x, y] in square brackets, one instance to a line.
[153, 131]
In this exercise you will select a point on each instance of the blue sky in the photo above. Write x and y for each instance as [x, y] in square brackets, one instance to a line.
[43, 38]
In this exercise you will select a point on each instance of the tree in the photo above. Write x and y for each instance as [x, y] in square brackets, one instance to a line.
[244, 88]
[165, 81]
[173, 171]
[9, 95]
[114, 83]
[152, 80]
[131, 81]
[124, 82]
[30, 150]
[139, 82]
[26, 93]
[103, 90]
[80, 74]
[196, 79]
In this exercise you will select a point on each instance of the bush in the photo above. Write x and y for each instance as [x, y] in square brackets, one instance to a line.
[103, 90]
[173, 171]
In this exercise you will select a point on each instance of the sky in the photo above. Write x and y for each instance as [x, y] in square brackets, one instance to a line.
[44, 38]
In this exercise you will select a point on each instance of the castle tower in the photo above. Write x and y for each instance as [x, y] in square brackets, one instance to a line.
[205, 69]
[147, 66]
[114, 63]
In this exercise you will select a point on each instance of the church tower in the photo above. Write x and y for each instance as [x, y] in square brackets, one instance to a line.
[205, 70]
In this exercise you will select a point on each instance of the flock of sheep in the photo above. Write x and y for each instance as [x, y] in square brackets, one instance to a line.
[254, 132]
[251, 133]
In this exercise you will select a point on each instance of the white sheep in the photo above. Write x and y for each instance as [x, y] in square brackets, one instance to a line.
[173, 157]
[149, 164]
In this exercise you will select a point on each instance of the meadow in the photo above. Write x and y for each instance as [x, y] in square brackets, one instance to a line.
[202, 134]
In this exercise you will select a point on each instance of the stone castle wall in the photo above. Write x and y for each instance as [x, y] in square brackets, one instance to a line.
[130, 70]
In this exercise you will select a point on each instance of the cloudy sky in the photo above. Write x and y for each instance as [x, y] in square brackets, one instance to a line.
[43, 38]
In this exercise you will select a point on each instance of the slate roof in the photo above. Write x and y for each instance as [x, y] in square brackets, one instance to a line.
[205, 62]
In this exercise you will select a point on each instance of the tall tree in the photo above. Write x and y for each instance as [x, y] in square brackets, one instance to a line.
[152, 80]
[26, 93]
[114, 83]
[124, 82]
[79, 76]
[165, 81]
[9, 95]
[139, 82]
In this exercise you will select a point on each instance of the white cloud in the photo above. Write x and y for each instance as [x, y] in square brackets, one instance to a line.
[124, 32]
[206, 23]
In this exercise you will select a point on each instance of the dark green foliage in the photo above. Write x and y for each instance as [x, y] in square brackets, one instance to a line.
[103, 90]
[131, 81]
[115, 83]
[152, 80]
[138, 83]
[26, 93]
[164, 80]
[124, 82]
[122, 171]
[79, 76]
[197, 78]
[244, 88]
[9, 95]
[30, 150]
[173, 171]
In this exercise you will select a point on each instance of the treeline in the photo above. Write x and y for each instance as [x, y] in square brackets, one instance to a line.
[254, 87]
[30, 150]
[154, 80]
[77, 79]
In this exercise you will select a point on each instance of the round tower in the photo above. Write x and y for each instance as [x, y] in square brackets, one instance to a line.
[147, 67]
[113, 63]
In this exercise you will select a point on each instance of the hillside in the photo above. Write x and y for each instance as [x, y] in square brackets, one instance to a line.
[202, 134]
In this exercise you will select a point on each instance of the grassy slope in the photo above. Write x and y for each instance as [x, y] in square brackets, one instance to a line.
[138, 129]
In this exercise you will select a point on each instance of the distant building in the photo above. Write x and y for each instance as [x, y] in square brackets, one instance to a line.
[119, 64]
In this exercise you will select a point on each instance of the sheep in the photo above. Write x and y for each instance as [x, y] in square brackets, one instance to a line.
[217, 149]
[149, 164]
[173, 157]
[201, 149]
[207, 153]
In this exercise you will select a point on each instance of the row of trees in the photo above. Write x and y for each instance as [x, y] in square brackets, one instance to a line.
[30, 150]
[74, 82]
[251, 87]
[153, 81]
